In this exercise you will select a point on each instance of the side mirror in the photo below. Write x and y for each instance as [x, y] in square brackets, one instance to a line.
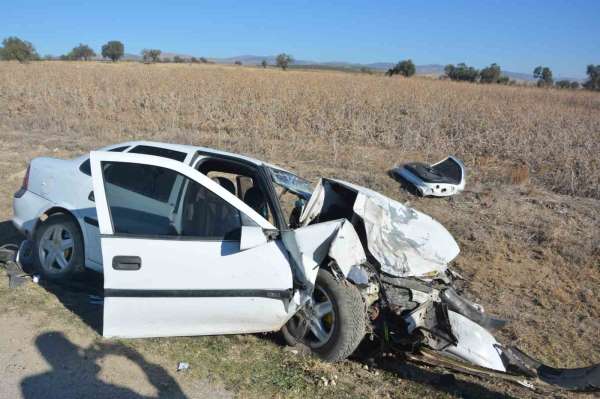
[252, 236]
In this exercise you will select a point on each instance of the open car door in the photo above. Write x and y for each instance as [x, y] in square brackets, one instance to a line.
[181, 254]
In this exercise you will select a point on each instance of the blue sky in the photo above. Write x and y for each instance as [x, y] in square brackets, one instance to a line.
[519, 35]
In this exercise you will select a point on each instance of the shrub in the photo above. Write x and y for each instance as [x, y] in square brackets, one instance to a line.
[238, 62]
[491, 74]
[461, 72]
[81, 52]
[284, 60]
[113, 50]
[544, 76]
[151, 55]
[405, 68]
[593, 82]
[263, 63]
[14, 48]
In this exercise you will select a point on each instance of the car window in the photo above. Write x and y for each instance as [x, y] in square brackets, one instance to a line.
[158, 151]
[136, 194]
[85, 165]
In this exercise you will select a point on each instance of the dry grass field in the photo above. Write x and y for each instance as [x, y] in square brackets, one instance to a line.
[528, 223]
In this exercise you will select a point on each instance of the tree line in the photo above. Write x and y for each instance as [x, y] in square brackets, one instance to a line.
[14, 48]
[493, 74]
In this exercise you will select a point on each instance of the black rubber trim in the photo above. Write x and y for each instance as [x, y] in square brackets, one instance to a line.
[89, 220]
[21, 192]
[126, 293]
[166, 237]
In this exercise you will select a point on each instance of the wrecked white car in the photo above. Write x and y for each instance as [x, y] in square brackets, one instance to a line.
[217, 243]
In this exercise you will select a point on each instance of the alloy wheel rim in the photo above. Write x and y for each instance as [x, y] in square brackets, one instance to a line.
[56, 249]
[315, 323]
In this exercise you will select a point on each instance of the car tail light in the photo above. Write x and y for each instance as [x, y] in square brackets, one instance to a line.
[25, 184]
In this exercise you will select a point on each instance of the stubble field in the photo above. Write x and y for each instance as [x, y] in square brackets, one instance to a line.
[528, 223]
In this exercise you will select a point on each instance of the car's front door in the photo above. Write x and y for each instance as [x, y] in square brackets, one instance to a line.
[172, 260]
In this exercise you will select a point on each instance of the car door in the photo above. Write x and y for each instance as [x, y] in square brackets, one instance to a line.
[181, 255]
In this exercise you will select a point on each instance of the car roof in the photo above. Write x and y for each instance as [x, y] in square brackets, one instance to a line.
[188, 149]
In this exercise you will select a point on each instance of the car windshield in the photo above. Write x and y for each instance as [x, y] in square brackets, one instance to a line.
[290, 182]
[293, 192]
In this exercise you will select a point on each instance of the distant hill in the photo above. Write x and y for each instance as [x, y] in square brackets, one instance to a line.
[428, 69]
[249, 59]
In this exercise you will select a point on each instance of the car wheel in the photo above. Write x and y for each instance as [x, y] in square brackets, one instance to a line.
[333, 323]
[58, 248]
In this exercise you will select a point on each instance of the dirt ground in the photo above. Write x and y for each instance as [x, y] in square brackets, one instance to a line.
[528, 254]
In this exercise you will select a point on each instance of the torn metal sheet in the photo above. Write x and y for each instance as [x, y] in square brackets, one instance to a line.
[309, 246]
[403, 240]
[346, 248]
[475, 344]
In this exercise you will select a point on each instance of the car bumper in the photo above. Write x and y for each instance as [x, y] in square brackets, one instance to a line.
[26, 210]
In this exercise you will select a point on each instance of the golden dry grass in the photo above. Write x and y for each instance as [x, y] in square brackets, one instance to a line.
[556, 134]
[531, 254]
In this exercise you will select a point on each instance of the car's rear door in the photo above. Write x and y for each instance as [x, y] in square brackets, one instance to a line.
[172, 262]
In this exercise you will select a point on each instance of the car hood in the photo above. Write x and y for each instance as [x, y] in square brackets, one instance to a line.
[403, 240]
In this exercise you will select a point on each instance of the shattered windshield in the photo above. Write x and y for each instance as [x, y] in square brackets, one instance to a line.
[291, 182]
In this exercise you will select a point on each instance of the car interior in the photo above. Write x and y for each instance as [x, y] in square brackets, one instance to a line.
[239, 179]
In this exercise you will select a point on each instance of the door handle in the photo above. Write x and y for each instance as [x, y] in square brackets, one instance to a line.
[127, 263]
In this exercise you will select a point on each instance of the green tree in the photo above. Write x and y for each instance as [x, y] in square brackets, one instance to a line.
[284, 60]
[14, 48]
[593, 82]
[151, 55]
[238, 62]
[203, 60]
[178, 59]
[504, 80]
[113, 50]
[575, 85]
[263, 63]
[543, 76]
[492, 74]
[405, 68]
[81, 52]
[563, 84]
[461, 72]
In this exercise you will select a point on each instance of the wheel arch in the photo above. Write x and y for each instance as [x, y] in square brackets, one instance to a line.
[56, 210]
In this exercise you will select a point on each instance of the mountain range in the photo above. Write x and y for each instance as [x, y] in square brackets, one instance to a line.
[428, 69]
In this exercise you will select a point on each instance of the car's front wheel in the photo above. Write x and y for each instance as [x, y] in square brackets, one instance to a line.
[333, 323]
[58, 248]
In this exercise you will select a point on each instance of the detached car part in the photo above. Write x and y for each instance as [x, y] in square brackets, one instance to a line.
[441, 179]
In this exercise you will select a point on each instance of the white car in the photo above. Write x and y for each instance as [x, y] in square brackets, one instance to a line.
[194, 241]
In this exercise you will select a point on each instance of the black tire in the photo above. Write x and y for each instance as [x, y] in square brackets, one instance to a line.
[350, 320]
[74, 256]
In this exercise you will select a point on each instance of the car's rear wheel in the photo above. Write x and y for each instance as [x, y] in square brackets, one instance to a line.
[58, 248]
[333, 323]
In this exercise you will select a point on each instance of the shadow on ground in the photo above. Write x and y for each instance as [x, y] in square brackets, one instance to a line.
[76, 297]
[75, 372]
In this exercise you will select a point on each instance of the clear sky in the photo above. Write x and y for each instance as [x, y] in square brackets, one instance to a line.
[519, 35]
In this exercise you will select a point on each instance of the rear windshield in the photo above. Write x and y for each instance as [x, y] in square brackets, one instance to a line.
[158, 151]
[85, 165]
